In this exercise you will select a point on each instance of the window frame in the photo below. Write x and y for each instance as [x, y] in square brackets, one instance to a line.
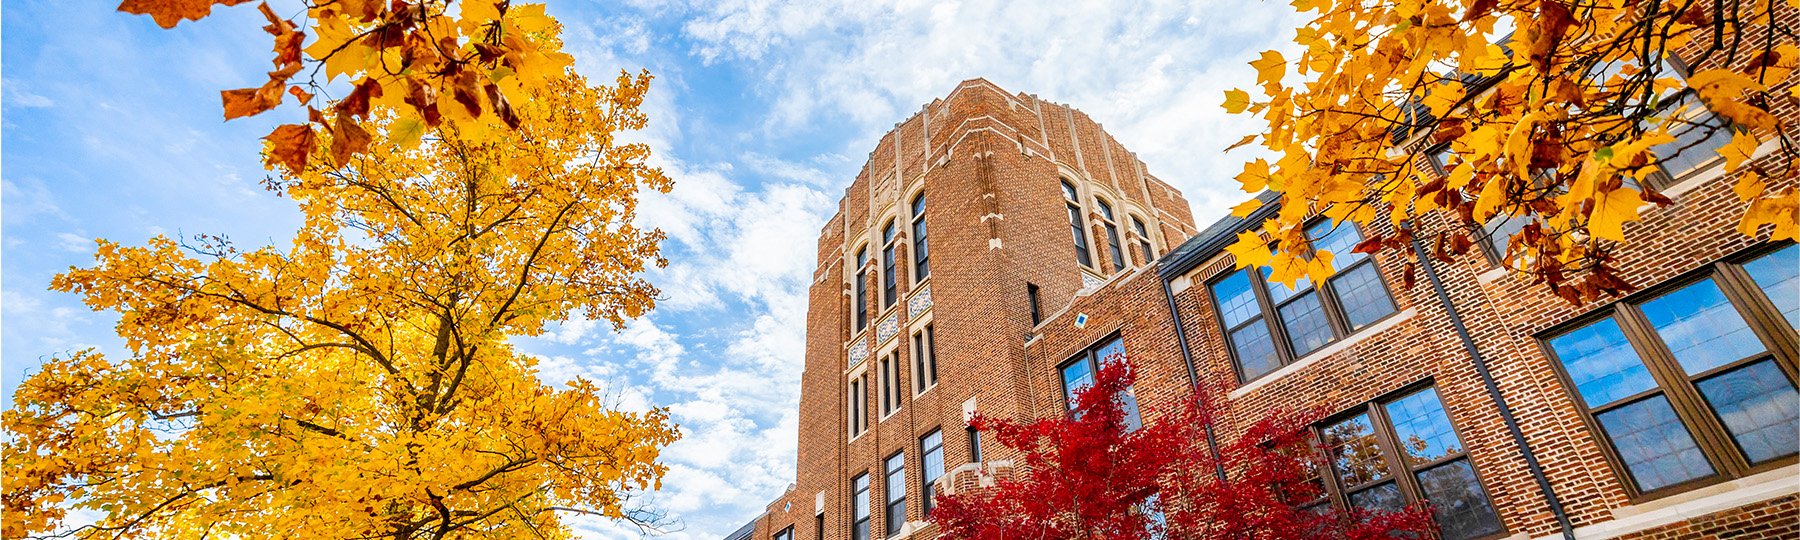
[1403, 475]
[1109, 223]
[889, 501]
[1679, 389]
[925, 368]
[867, 511]
[1077, 224]
[921, 251]
[859, 399]
[1144, 241]
[928, 486]
[1091, 356]
[974, 443]
[888, 393]
[785, 534]
[860, 304]
[890, 284]
[1269, 310]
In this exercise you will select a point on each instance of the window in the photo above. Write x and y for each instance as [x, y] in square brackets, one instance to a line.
[785, 534]
[921, 252]
[859, 507]
[1387, 455]
[1143, 239]
[931, 463]
[974, 444]
[1692, 383]
[1076, 225]
[896, 493]
[862, 289]
[1078, 374]
[924, 360]
[890, 384]
[1112, 234]
[859, 388]
[819, 526]
[1031, 297]
[1496, 234]
[887, 266]
[1305, 317]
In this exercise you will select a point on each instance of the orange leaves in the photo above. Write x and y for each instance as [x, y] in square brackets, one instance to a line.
[1270, 68]
[289, 146]
[1545, 32]
[1236, 101]
[169, 12]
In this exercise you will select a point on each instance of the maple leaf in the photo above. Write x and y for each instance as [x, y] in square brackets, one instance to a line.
[1236, 100]
[167, 13]
[1270, 68]
[1612, 209]
[289, 146]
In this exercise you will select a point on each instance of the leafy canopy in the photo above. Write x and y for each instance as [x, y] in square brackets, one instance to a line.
[1558, 114]
[359, 381]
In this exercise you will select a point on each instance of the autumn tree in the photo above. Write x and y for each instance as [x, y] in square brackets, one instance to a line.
[358, 381]
[1554, 120]
[465, 63]
[1095, 474]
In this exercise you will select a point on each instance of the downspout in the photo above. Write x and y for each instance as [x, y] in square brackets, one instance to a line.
[1187, 357]
[1487, 380]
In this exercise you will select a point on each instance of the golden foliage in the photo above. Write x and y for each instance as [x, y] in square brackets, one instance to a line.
[358, 382]
[1559, 113]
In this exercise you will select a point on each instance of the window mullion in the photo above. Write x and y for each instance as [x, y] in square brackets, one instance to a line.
[1393, 452]
[1715, 443]
[1277, 327]
[1759, 310]
[1334, 313]
[1334, 490]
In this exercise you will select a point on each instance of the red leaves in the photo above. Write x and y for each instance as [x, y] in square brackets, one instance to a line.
[169, 12]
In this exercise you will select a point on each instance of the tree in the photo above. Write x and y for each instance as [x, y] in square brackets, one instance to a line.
[1088, 475]
[1557, 116]
[467, 63]
[359, 382]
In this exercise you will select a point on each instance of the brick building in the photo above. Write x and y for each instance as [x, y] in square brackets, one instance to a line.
[996, 247]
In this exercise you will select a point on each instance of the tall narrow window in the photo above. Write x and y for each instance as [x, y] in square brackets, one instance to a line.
[1389, 454]
[890, 384]
[1077, 225]
[859, 507]
[921, 252]
[859, 420]
[931, 466]
[974, 444]
[1143, 233]
[924, 360]
[887, 266]
[1305, 318]
[785, 534]
[896, 493]
[1078, 374]
[1112, 234]
[862, 289]
[1722, 402]
[1031, 297]
[818, 526]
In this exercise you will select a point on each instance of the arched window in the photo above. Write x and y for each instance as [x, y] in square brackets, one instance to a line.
[1112, 234]
[887, 265]
[1143, 239]
[921, 253]
[1075, 224]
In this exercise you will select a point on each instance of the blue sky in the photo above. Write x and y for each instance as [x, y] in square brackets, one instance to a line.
[762, 112]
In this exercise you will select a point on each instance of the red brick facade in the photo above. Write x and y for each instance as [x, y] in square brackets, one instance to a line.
[989, 164]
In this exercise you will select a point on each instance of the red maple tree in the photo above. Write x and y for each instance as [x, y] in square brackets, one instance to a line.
[1092, 474]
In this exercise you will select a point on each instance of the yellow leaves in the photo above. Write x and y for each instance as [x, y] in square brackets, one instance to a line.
[1250, 250]
[1270, 68]
[1244, 209]
[1518, 144]
[1255, 177]
[1611, 210]
[1741, 148]
[1781, 210]
[1723, 91]
[1749, 186]
[1236, 100]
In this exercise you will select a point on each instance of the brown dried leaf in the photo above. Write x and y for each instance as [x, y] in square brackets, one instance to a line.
[169, 12]
[289, 146]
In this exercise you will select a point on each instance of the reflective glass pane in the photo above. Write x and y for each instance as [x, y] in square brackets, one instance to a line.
[1701, 327]
[1360, 293]
[1237, 303]
[932, 447]
[1355, 455]
[1382, 498]
[1656, 448]
[1105, 209]
[1339, 241]
[859, 498]
[1423, 427]
[1499, 231]
[1255, 351]
[1304, 319]
[1698, 136]
[1778, 274]
[1076, 376]
[1279, 293]
[1112, 351]
[1601, 363]
[1068, 191]
[1462, 510]
[1758, 405]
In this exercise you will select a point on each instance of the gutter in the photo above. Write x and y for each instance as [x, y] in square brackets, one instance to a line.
[1187, 357]
[1487, 380]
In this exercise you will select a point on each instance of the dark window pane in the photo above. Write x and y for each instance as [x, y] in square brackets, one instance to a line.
[1499, 230]
[1461, 508]
[895, 490]
[1105, 209]
[1382, 498]
[1758, 405]
[1340, 241]
[1255, 351]
[1778, 274]
[1279, 293]
[1069, 192]
[931, 465]
[1360, 293]
[1237, 303]
[1076, 376]
[1355, 455]
[1601, 363]
[1700, 327]
[1423, 427]
[1112, 246]
[1304, 319]
[1656, 448]
[1078, 228]
[859, 498]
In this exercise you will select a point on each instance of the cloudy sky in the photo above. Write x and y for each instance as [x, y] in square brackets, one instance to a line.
[762, 112]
